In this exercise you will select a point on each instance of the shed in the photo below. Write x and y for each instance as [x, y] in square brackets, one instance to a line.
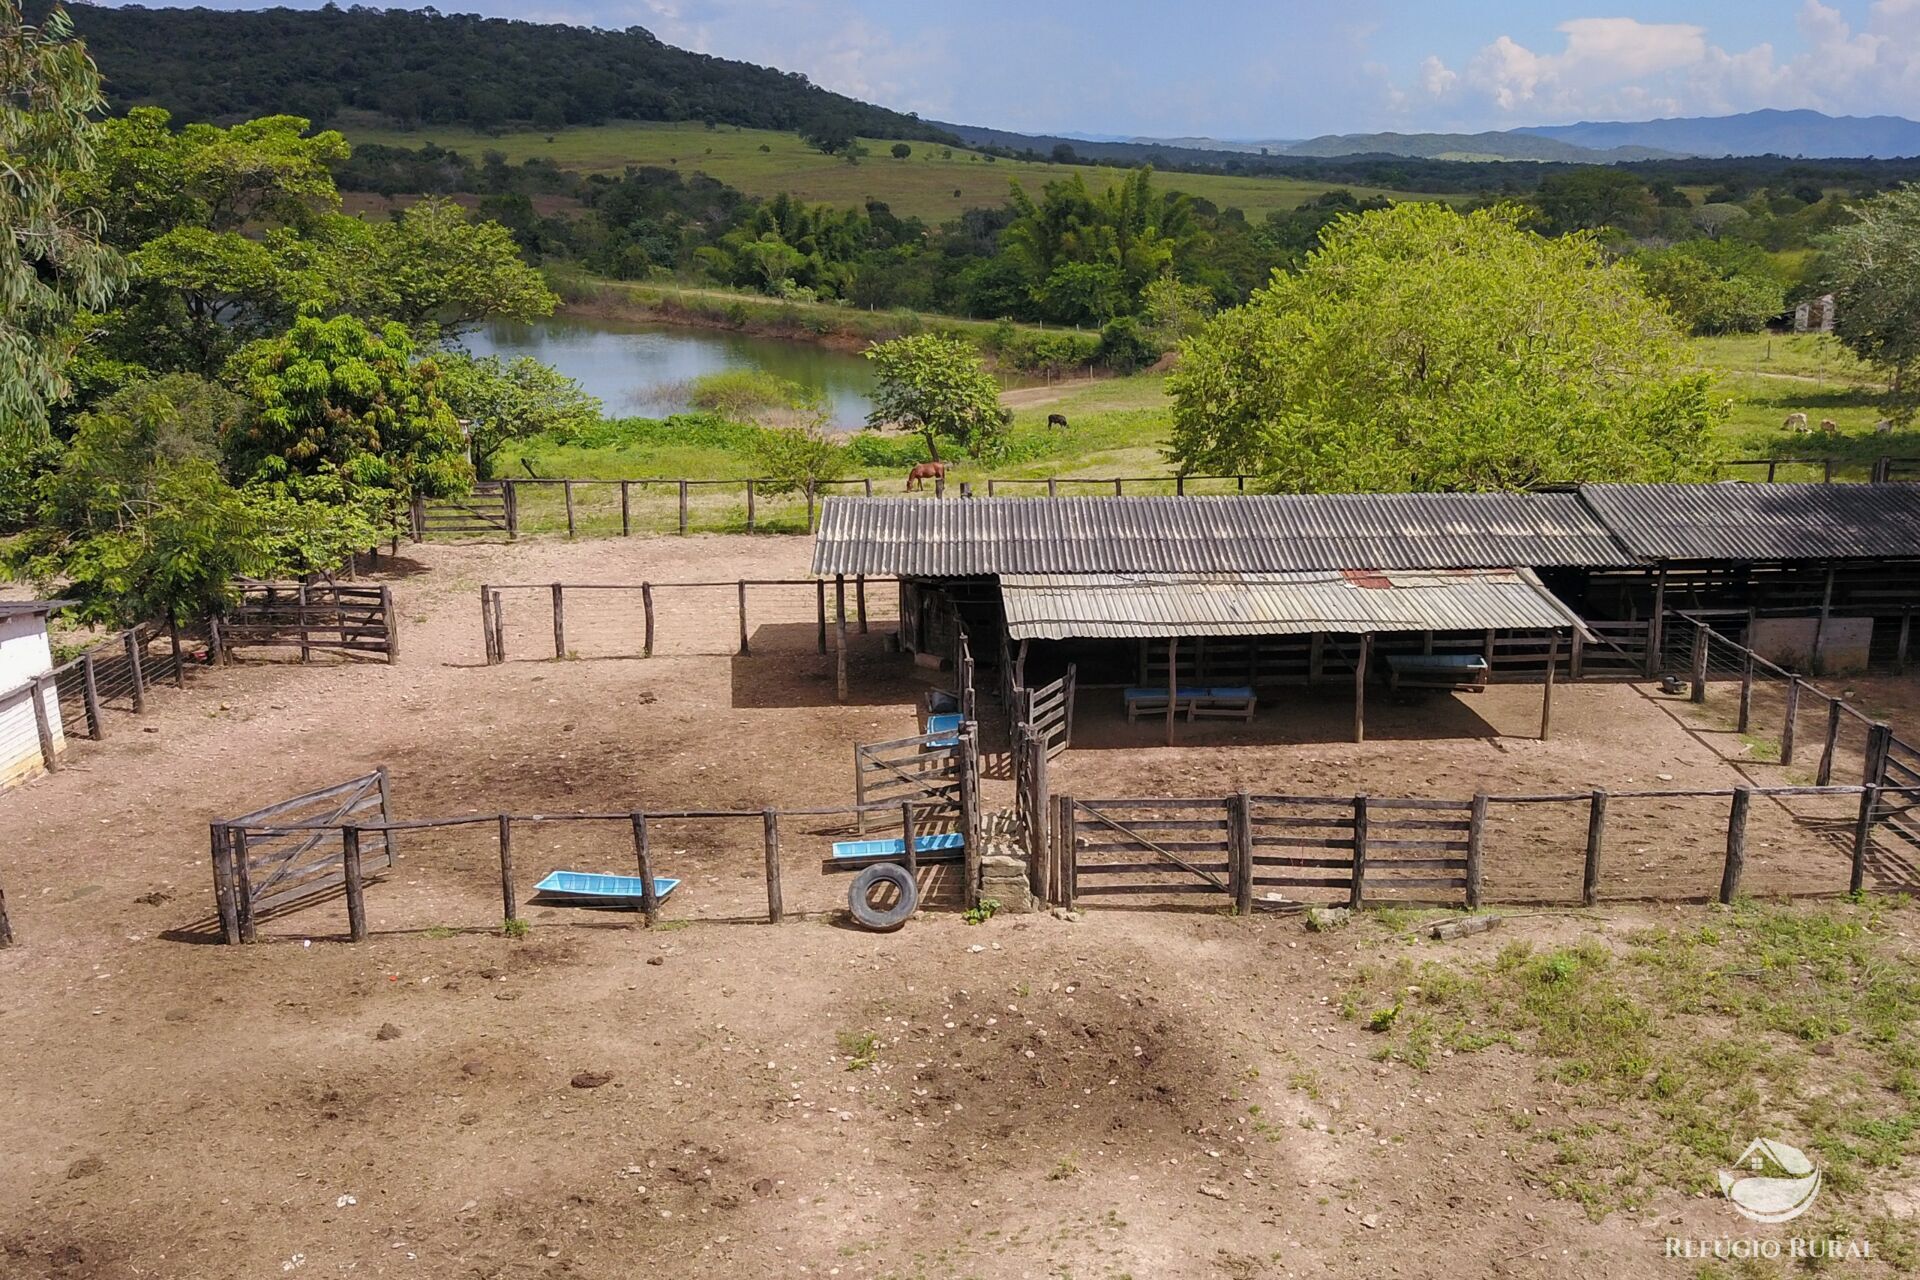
[26, 664]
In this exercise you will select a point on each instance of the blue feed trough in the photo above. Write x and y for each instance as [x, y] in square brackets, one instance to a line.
[897, 847]
[947, 726]
[587, 887]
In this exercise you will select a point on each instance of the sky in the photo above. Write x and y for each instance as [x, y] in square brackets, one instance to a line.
[1264, 69]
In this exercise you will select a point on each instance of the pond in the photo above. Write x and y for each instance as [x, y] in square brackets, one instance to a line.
[643, 370]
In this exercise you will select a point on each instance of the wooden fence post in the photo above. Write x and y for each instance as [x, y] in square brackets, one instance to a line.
[137, 670]
[1745, 721]
[300, 604]
[179, 662]
[1793, 714]
[392, 623]
[1356, 895]
[770, 824]
[487, 641]
[646, 604]
[90, 699]
[499, 630]
[820, 609]
[1240, 851]
[810, 500]
[507, 906]
[356, 892]
[643, 858]
[750, 511]
[1900, 649]
[1596, 838]
[907, 843]
[1824, 773]
[683, 508]
[1879, 744]
[1476, 845]
[418, 512]
[242, 881]
[216, 651]
[1863, 837]
[744, 650]
[43, 722]
[1736, 844]
[223, 887]
[626, 509]
[1546, 688]
[559, 622]
[566, 487]
[510, 496]
[1069, 853]
[1699, 691]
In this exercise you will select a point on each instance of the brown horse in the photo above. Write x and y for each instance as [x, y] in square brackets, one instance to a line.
[925, 471]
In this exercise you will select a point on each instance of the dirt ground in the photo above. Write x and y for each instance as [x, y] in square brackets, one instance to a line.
[1032, 1097]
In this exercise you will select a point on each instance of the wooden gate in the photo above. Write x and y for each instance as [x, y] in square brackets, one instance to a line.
[309, 616]
[1047, 712]
[924, 770]
[1362, 849]
[285, 855]
[1171, 846]
[490, 508]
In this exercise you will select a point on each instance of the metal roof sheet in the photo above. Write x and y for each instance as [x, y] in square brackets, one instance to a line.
[970, 537]
[1760, 521]
[1062, 606]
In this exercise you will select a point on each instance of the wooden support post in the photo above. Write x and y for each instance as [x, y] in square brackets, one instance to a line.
[1546, 688]
[683, 508]
[1656, 623]
[179, 659]
[1823, 774]
[1173, 682]
[646, 604]
[137, 670]
[1069, 854]
[643, 859]
[626, 510]
[1793, 715]
[1745, 719]
[566, 487]
[1360, 687]
[1820, 624]
[840, 596]
[559, 622]
[750, 506]
[1117, 490]
[1900, 649]
[840, 640]
[770, 824]
[860, 601]
[1316, 656]
[940, 486]
[1053, 487]
[1476, 845]
[43, 688]
[508, 908]
[1357, 893]
[744, 649]
[90, 699]
[868, 483]
[1240, 851]
[242, 882]
[356, 891]
[1596, 839]
[1736, 843]
[1699, 691]
[1486, 649]
[820, 609]
[1863, 837]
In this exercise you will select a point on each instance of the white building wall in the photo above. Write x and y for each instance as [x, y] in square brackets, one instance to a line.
[24, 654]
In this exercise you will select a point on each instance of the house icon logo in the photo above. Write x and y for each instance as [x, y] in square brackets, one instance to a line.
[1773, 1182]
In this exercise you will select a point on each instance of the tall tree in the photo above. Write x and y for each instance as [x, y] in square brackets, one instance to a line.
[1424, 349]
[1873, 267]
[936, 385]
[52, 263]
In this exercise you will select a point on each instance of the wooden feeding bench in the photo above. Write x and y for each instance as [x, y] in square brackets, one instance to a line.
[1223, 702]
[1454, 672]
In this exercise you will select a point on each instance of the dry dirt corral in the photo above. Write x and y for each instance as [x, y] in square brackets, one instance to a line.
[1139, 1093]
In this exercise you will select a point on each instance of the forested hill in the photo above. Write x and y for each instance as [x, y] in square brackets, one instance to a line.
[410, 67]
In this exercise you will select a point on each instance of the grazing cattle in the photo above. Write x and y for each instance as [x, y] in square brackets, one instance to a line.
[918, 477]
[1829, 426]
[1883, 427]
[1057, 420]
[1795, 422]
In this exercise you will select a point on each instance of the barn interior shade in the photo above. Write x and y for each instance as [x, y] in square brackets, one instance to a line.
[1116, 606]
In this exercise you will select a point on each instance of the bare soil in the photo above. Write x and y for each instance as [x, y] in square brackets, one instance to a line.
[1031, 1097]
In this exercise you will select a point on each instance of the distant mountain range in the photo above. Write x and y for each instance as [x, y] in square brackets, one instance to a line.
[1811, 134]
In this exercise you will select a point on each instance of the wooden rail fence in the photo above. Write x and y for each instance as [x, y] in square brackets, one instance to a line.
[287, 854]
[310, 617]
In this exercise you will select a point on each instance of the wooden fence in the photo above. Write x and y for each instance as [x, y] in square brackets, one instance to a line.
[1372, 849]
[1607, 651]
[290, 853]
[115, 674]
[310, 617]
[926, 770]
[1047, 712]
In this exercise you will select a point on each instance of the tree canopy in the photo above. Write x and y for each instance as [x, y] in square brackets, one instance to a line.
[1873, 268]
[1423, 349]
[936, 385]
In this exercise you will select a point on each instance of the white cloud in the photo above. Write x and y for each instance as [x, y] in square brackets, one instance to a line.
[1621, 67]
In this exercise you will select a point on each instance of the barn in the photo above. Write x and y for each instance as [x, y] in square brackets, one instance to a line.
[26, 662]
[1192, 606]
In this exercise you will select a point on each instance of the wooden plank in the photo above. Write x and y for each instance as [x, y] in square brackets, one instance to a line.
[1140, 868]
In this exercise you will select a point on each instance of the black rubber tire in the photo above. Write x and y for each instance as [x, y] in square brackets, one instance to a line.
[868, 916]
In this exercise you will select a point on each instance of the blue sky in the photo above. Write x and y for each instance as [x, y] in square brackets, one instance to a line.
[1282, 68]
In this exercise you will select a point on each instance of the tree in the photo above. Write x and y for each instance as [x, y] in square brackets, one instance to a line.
[1593, 197]
[52, 263]
[936, 385]
[498, 402]
[1715, 286]
[798, 458]
[1872, 267]
[901, 150]
[337, 395]
[1420, 349]
[434, 270]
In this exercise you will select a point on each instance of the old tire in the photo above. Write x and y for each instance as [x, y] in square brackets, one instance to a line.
[871, 880]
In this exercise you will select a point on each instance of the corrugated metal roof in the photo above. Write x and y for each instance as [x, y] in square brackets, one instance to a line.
[1760, 521]
[1237, 533]
[1063, 606]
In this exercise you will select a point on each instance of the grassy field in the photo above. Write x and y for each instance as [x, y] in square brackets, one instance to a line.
[935, 183]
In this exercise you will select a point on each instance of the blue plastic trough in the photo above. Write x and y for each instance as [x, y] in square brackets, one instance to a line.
[587, 888]
[897, 847]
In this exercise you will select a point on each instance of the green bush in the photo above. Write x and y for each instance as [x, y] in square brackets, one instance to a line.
[744, 395]
[708, 430]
